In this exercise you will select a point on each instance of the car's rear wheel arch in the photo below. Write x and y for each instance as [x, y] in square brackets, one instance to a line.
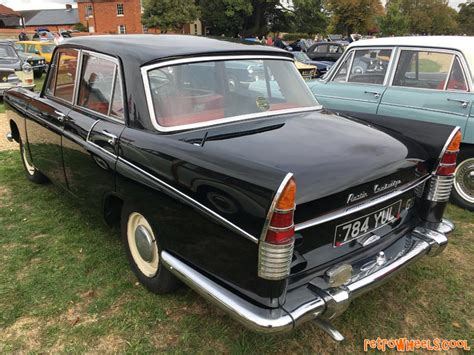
[15, 131]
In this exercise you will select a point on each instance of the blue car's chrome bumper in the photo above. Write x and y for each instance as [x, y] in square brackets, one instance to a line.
[320, 304]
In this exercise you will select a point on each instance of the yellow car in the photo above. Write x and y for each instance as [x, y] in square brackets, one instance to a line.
[44, 49]
[307, 71]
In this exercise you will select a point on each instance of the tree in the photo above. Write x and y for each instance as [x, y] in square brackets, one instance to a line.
[350, 16]
[309, 16]
[81, 27]
[429, 16]
[225, 16]
[394, 22]
[466, 18]
[169, 14]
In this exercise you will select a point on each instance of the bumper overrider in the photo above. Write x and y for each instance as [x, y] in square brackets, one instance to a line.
[321, 303]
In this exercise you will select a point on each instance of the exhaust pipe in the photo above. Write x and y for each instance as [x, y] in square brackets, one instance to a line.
[10, 137]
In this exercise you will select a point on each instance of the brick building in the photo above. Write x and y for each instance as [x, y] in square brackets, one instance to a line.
[52, 19]
[119, 16]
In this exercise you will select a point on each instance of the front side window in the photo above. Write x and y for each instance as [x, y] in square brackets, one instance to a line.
[341, 75]
[65, 75]
[119, 9]
[7, 52]
[196, 93]
[98, 78]
[423, 69]
[370, 66]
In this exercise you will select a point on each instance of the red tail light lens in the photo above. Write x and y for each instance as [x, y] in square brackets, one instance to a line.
[281, 228]
[447, 164]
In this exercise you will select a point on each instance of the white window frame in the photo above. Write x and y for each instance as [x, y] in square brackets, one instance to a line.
[120, 9]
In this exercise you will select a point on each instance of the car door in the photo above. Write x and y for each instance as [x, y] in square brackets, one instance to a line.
[93, 127]
[429, 85]
[47, 113]
[358, 84]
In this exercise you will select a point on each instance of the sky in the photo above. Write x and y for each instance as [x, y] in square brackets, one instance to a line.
[58, 4]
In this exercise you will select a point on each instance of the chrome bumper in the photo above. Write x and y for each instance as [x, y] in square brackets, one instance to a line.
[323, 303]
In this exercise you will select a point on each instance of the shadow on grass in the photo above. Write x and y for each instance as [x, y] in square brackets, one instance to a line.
[65, 286]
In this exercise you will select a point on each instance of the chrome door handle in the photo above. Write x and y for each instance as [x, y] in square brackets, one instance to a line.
[61, 117]
[112, 138]
[464, 103]
[375, 93]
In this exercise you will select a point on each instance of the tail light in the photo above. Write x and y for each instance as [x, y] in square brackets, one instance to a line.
[440, 185]
[277, 240]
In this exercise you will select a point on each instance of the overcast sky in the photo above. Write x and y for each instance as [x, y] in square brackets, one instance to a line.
[57, 4]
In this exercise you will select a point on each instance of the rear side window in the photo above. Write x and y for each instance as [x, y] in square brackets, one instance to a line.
[457, 80]
[423, 69]
[99, 88]
[63, 76]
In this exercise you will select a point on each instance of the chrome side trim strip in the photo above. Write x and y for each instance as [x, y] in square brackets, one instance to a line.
[424, 108]
[193, 202]
[349, 210]
[348, 99]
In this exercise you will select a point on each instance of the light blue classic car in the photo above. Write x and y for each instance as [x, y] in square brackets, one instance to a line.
[420, 78]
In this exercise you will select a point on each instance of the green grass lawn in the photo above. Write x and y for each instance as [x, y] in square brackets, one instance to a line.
[65, 285]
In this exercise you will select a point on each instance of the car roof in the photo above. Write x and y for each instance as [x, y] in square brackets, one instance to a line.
[464, 44]
[149, 48]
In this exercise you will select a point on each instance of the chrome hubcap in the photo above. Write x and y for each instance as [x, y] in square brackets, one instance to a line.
[30, 168]
[142, 244]
[464, 181]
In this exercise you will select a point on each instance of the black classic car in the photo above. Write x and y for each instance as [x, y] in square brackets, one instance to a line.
[328, 51]
[268, 206]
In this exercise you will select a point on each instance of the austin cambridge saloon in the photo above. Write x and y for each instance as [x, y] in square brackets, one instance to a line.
[421, 78]
[269, 207]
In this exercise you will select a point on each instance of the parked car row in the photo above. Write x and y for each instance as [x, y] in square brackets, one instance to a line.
[223, 171]
[15, 71]
[416, 78]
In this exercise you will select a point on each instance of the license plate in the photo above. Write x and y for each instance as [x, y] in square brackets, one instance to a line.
[364, 225]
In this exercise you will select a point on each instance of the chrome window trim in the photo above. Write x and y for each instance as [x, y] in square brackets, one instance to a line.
[350, 210]
[149, 100]
[271, 209]
[454, 52]
[207, 210]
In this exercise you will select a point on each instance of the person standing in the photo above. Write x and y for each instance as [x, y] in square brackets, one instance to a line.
[279, 42]
[269, 41]
[23, 36]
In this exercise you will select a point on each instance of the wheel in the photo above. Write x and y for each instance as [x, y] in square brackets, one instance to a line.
[143, 252]
[463, 192]
[32, 174]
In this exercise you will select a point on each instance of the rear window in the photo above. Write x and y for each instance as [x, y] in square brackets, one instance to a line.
[193, 94]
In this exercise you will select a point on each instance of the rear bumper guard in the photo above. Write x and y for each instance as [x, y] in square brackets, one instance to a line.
[323, 304]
